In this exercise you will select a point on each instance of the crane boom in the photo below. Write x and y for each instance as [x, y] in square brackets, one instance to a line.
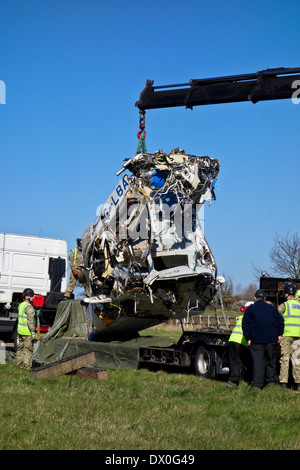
[269, 84]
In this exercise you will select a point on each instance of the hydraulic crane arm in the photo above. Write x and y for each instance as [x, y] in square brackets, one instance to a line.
[270, 84]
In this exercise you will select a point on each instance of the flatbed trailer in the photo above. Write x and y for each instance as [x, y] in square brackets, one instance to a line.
[204, 350]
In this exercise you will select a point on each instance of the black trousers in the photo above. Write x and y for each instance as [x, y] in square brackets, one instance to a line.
[238, 361]
[264, 357]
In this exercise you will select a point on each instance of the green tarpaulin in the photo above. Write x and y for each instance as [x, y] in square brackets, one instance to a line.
[69, 336]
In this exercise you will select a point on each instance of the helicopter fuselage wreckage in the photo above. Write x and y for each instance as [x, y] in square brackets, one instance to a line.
[145, 256]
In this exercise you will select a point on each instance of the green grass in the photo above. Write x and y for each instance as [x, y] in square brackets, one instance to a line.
[143, 410]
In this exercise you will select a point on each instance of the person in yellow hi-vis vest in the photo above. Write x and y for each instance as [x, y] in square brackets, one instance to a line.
[26, 330]
[290, 342]
[76, 264]
[238, 351]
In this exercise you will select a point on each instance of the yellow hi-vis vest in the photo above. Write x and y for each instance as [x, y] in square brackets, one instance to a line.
[22, 320]
[237, 335]
[292, 319]
[75, 255]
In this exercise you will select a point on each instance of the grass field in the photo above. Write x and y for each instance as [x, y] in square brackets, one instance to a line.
[143, 410]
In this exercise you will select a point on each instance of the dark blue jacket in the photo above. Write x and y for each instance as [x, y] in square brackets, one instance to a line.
[262, 323]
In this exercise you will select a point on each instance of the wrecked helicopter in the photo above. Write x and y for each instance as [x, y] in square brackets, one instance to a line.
[146, 258]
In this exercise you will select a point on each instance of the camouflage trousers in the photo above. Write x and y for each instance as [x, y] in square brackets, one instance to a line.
[24, 353]
[290, 350]
[72, 284]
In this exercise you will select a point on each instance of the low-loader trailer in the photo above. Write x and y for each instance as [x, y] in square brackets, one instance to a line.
[205, 351]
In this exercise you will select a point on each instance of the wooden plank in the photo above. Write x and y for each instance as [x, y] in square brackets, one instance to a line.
[65, 366]
[86, 372]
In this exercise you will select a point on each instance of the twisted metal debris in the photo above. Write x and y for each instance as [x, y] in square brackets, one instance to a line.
[145, 255]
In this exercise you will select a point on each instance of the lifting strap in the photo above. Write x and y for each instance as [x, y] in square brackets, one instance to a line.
[141, 148]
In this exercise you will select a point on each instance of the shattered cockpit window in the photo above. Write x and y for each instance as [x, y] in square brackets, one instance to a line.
[145, 256]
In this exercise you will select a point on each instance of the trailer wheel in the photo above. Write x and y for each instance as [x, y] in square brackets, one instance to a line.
[204, 364]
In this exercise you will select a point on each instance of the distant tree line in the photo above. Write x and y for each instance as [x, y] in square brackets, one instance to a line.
[234, 298]
[284, 258]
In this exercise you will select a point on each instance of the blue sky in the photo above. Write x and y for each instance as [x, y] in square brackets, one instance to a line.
[73, 71]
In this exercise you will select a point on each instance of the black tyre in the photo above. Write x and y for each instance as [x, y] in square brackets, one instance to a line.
[203, 363]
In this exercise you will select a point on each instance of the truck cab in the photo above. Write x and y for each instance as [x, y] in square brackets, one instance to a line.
[38, 263]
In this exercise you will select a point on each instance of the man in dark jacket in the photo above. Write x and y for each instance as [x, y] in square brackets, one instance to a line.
[263, 327]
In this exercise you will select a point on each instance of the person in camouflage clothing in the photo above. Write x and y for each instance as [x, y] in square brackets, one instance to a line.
[26, 330]
[76, 264]
[290, 342]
